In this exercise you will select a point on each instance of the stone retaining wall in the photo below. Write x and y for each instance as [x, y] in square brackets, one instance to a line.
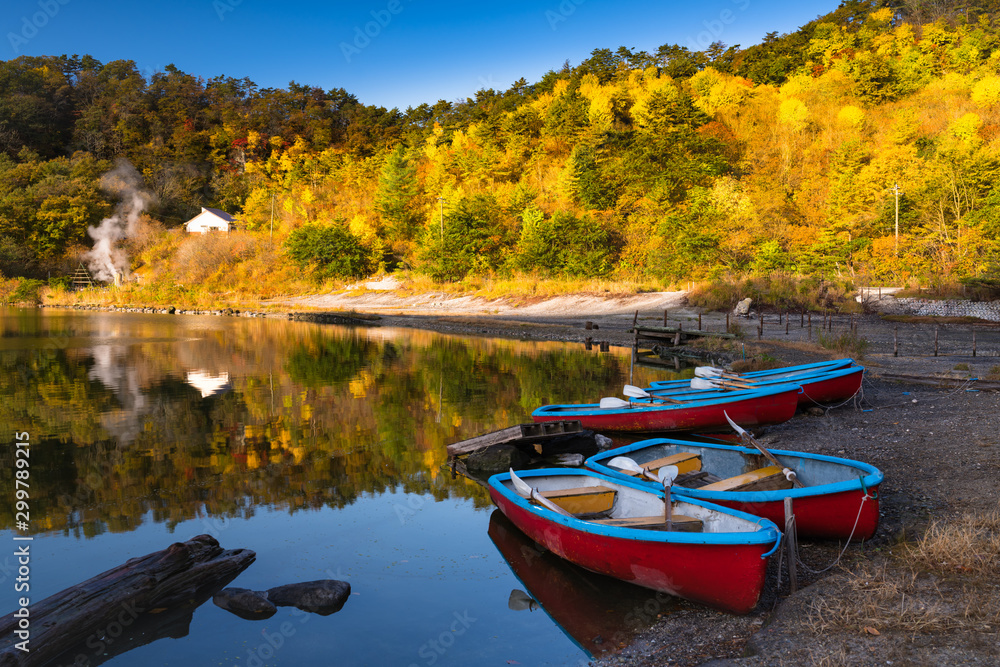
[984, 310]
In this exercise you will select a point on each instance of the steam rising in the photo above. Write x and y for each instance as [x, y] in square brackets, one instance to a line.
[105, 260]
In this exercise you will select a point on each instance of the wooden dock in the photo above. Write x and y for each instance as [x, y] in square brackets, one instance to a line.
[647, 337]
[522, 434]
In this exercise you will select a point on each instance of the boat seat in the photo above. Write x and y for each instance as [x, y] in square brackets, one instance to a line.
[685, 462]
[770, 478]
[583, 499]
[680, 523]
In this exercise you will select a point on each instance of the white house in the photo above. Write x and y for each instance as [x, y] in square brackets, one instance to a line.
[209, 220]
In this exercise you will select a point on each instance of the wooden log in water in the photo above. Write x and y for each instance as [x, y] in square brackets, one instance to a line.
[108, 605]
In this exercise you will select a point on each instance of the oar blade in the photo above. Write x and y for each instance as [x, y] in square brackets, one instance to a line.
[667, 474]
[610, 402]
[523, 488]
[635, 392]
[702, 383]
[519, 601]
[625, 463]
[736, 427]
[708, 372]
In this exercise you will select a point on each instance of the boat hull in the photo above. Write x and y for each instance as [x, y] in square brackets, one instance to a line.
[729, 577]
[818, 387]
[840, 499]
[756, 408]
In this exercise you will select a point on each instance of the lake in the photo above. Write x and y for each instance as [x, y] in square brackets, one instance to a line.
[320, 448]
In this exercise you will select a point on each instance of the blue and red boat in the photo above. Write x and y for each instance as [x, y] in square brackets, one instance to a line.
[838, 498]
[617, 527]
[822, 382]
[689, 411]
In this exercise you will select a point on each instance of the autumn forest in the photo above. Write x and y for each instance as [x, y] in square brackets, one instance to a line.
[866, 144]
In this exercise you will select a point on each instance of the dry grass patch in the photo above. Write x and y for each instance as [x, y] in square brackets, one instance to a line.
[944, 582]
[969, 545]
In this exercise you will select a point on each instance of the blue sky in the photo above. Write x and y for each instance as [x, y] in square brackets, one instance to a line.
[386, 52]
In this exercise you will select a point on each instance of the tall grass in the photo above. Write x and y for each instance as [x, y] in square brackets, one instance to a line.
[847, 343]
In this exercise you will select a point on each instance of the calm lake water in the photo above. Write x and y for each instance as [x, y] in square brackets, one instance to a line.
[320, 448]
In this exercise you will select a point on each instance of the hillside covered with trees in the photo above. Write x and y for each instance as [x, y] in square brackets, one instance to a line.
[665, 166]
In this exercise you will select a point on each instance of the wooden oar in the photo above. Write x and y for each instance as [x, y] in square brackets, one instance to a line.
[666, 477]
[635, 392]
[525, 490]
[705, 383]
[712, 373]
[749, 439]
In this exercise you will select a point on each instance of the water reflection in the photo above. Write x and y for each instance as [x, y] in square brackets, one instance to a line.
[171, 417]
[598, 613]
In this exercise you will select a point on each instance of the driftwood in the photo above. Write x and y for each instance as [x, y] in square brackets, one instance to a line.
[130, 605]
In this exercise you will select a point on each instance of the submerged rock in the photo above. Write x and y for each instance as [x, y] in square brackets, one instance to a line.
[323, 597]
[251, 605]
[497, 458]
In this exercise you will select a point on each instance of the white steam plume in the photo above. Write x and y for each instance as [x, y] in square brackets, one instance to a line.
[105, 260]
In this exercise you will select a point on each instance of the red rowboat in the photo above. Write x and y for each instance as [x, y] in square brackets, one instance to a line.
[712, 556]
[688, 412]
[822, 385]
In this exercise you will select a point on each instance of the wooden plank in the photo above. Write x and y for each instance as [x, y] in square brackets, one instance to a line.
[583, 499]
[516, 435]
[770, 478]
[680, 523]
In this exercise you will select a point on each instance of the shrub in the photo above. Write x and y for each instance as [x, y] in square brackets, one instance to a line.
[329, 251]
[26, 291]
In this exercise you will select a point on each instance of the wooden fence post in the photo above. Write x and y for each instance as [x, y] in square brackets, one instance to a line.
[791, 544]
[936, 329]
[895, 341]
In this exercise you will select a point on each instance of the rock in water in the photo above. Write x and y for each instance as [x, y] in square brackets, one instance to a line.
[243, 602]
[603, 441]
[323, 597]
[743, 307]
[498, 458]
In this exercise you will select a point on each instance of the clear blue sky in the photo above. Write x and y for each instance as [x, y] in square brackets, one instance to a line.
[414, 51]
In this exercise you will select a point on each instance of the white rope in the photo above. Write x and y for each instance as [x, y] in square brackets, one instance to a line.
[805, 567]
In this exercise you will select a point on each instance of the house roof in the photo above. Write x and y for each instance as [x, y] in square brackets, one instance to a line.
[220, 214]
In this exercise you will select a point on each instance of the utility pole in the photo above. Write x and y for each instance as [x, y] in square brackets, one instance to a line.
[441, 206]
[895, 190]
